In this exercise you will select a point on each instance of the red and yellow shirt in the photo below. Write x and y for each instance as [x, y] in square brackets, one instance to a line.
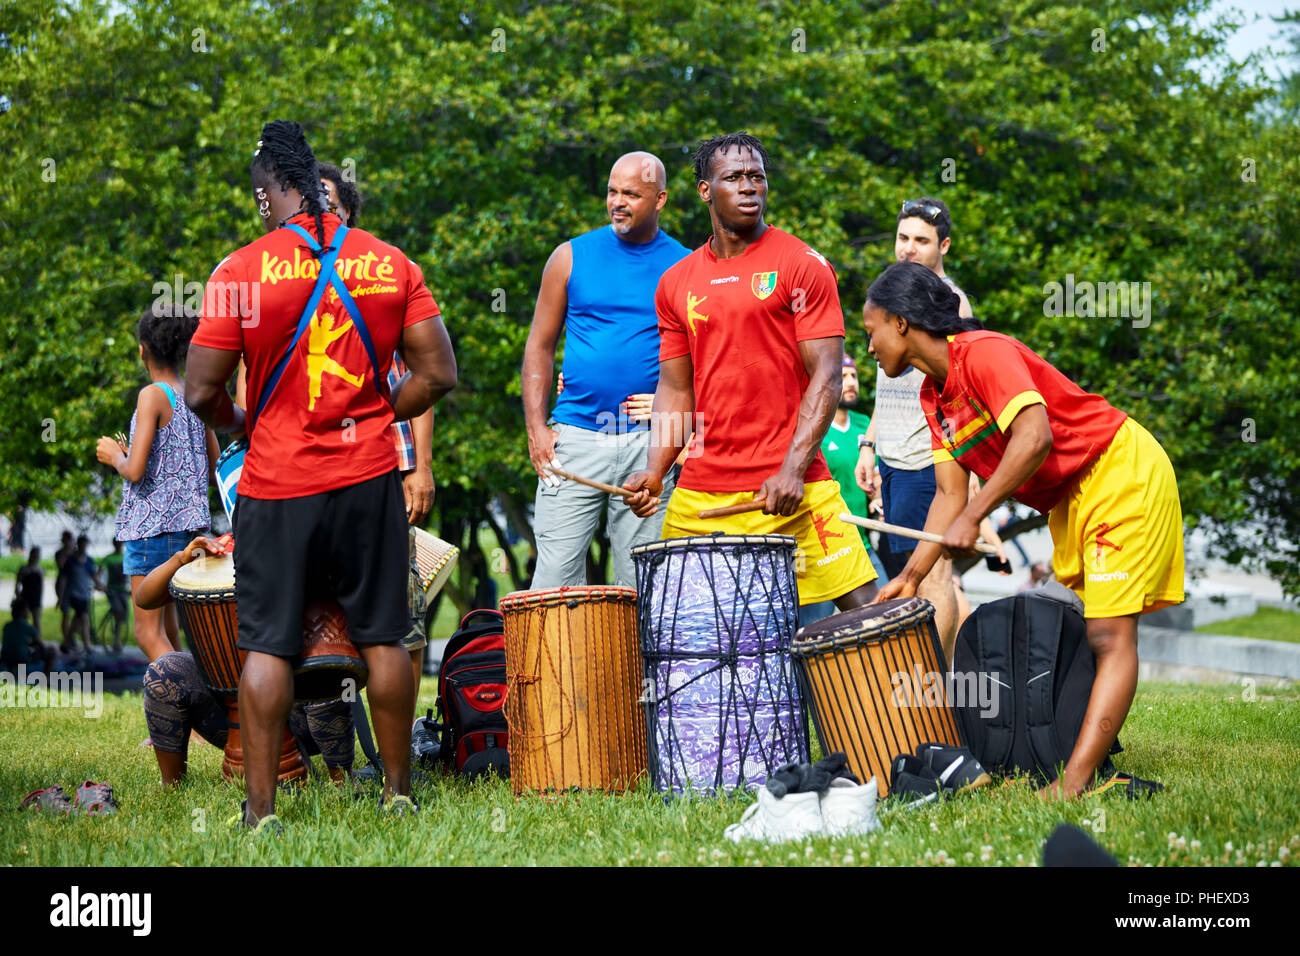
[991, 378]
[741, 321]
[326, 426]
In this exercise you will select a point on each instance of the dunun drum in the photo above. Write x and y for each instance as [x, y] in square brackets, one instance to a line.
[204, 591]
[573, 682]
[717, 614]
[875, 681]
[329, 663]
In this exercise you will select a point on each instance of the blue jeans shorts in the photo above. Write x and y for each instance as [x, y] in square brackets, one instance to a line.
[142, 556]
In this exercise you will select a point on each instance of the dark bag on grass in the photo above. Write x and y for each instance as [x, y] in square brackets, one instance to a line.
[471, 725]
[1032, 651]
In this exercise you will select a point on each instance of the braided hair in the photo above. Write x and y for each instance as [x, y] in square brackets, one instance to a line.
[913, 291]
[166, 336]
[284, 158]
[703, 158]
[349, 195]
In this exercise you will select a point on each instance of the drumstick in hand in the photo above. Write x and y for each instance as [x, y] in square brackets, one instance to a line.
[873, 525]
[591, 483]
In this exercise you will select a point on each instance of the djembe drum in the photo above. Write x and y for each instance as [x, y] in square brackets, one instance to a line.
[204, 591]
[875, 680]
[717, 614]
[329, 662]
[573, 682]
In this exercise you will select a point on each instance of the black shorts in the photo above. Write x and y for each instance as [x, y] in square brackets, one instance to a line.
[349, 544]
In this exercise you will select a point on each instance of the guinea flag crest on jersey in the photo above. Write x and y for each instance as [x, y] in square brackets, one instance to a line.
[763, 284]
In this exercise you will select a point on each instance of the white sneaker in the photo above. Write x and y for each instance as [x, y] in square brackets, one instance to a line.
[777, 819]
[849, 809]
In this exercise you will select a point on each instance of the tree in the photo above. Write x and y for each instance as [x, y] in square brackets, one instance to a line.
[1069, 140]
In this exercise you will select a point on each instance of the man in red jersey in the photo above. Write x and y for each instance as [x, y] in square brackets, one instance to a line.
[320, 504]
[751, 347]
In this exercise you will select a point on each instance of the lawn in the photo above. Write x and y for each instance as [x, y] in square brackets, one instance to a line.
[1203, 743]
[1269, 623]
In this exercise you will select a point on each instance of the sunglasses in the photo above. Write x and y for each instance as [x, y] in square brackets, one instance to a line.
[924, 210]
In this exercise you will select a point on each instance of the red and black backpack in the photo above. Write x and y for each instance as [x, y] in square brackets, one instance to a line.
[471, 698]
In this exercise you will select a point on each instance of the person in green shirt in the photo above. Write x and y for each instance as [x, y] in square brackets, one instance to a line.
[118, 591]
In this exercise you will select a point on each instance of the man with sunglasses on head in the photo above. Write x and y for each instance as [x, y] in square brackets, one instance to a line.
[894, 456]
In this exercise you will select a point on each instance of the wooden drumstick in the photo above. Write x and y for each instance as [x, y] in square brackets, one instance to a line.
[743, 508]
[591, 483]
[873, 525]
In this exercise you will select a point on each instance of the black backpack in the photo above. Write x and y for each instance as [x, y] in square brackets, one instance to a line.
[470, 731]
[1031, 651]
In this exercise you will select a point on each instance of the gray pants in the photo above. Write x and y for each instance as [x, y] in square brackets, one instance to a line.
[565, 518]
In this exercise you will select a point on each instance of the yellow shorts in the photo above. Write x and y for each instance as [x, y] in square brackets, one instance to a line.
[829, 557]
[1118, 535]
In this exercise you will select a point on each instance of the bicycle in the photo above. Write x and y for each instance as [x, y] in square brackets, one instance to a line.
[104, 627]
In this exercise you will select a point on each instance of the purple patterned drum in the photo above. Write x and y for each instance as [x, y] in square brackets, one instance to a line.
[716, 616]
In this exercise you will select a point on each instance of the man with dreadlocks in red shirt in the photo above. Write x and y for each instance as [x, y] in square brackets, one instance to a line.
[315, 310]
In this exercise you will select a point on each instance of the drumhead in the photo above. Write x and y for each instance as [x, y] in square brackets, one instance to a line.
[205, 578]
[704, 542]
[548, 597]
[869, 622]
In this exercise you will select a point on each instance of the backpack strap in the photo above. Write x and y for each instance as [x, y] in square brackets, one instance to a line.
[1046, 624]
[349, 303]
[322, 279]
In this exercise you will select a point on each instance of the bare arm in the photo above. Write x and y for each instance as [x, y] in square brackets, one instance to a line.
[132, 465]
[214, 452]
[152, 592]
[1029, 441]
[950, 492]
[539, 355]
[426, 349]
[822, 359]
[670, 430]
[207, 371]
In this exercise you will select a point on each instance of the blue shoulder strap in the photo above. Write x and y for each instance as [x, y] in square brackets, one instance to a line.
[326, 268]
[169, 392]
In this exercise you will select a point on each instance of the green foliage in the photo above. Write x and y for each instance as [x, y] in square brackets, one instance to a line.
[481, 140]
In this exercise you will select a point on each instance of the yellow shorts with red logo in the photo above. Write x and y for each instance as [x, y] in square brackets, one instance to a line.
[830, 559]
[1118, 535]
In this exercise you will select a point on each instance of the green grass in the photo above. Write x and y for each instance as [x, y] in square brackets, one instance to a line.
[1228, 765]
[1268, 623]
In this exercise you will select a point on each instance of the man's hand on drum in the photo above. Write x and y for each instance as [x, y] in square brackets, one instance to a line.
[647, 487]
[541, 451]
[781, 493]
[417, 489]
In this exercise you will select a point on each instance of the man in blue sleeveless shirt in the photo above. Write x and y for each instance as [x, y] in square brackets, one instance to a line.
[600, 287]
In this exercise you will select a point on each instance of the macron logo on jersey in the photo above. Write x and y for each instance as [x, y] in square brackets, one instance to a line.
[819, 257]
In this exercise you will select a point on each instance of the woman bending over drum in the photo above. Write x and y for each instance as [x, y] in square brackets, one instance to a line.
[177, 700]
[996, 409]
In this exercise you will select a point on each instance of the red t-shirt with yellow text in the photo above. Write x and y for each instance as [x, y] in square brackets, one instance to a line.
[326, 425]
[741, 321]
[991, 378]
